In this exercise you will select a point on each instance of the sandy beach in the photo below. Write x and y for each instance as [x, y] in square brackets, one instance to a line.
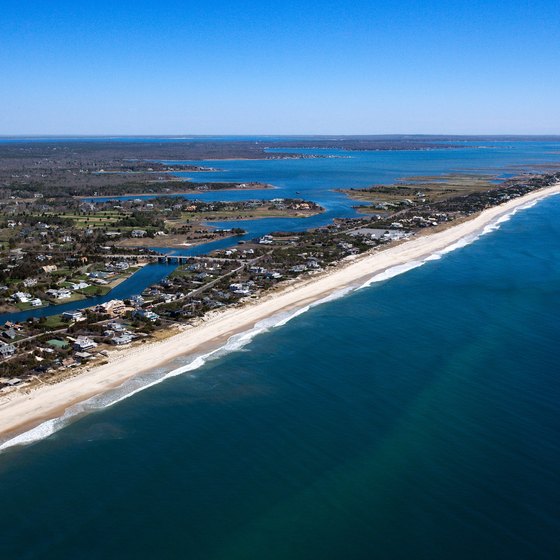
[23, 409]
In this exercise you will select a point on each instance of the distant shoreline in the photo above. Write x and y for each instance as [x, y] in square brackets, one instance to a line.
[264, 187]
[23, 410]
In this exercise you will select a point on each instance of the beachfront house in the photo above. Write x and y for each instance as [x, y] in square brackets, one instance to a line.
[69, 362]
[146, 314]
[12, 382]
[83, 343]
[394, 235]
[240, 289]
[298, 268]
[258, 270]
[122, 339]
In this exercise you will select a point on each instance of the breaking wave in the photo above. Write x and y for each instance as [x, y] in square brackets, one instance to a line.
[235, 342]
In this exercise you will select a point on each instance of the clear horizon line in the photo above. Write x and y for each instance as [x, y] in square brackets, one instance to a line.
[301, 135]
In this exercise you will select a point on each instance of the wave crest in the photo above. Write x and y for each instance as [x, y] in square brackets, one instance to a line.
[235, 342]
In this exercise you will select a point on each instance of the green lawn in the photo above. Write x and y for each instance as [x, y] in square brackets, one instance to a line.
[95, 290]
[104, 218]
[54, 322]
[75, 297]
[26, 306]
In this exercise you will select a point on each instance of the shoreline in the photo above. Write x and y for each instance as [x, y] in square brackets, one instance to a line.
[21, 411]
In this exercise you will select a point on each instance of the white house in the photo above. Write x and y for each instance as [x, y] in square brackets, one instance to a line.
[122, 339]
[7, 350]
[145, 314]
[84, 343]
[73, 315]
[240, 289]
[62, 293]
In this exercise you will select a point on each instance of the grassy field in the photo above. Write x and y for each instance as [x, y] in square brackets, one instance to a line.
[99, 219]
[26, 306]
[246, 214]
[422, 188]
[54, 322]
[182, 271]
[76, 296]
[91, 291]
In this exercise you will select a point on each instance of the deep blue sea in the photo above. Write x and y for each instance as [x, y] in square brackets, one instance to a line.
[415, 418]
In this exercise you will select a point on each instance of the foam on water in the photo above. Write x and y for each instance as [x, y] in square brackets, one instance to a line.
[391, 273]
[459, 244]
[237, 341]
[145, 381]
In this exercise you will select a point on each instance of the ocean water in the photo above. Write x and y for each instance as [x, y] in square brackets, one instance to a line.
[417, 417]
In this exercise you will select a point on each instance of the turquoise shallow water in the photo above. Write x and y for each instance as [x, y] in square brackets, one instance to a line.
[416, 418]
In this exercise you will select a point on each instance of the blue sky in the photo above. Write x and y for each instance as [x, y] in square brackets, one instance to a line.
[244, 67]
